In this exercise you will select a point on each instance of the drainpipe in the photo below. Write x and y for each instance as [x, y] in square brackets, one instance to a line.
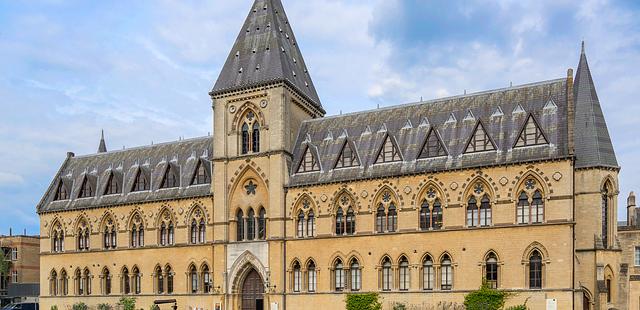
[284, 261]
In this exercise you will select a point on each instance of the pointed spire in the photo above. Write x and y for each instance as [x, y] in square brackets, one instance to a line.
[102, 148]
[266, 41]
[592, 141]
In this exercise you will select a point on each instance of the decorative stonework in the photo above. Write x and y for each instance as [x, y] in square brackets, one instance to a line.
[264, 103]
[324, 198]
[453, 186]
[407, 190]
[364, 194]
[557, 176]
[504, 181]
[232, 109]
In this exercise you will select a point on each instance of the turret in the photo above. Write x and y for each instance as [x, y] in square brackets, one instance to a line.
[631, 210]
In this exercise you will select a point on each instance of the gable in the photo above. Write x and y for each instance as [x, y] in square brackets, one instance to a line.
[480, 141]
[531, 134]
[432, 146]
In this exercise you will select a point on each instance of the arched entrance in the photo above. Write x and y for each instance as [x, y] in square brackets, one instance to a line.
[253, 292]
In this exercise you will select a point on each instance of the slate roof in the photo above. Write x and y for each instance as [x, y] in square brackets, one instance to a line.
[593, 145]
[266, 51]
[503, 113]
[151, 160]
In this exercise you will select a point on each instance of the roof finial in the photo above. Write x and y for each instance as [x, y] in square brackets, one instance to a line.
[582, 47]
[102, 148]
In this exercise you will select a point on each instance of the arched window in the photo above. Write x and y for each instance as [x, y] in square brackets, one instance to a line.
[64, 283]
[245, 138]
[300, 226]
[126, 284]
[297, 277]
[522, 211]
[605, 216]
[262, 224]
[240, 226]
[137, 280]
[83, 236]
[535, 270]
[425, 216]
[141, 235]
[134, 236]
[251, 225]
[380, 219]
[159, 280]
[338, 271]
[201, 231]
[351, 222]
[485, 211]
[446, 273]
[206, 279]
[311, 277]
[356, 275]
[53, 283]
[169, 274]
[491, 270]
[171, 234]
[137, 231]
[109, 234]
[86, 277]
[472, 213]
[255, 137]
[428, 274]
[537, 208]
[80, 288]
[339, 222]
[392, 218]
[194, 232]
[163, 234]
[193, 276]
[311, 224]
[106, 282]
[436, 220]
[57, 235]
[387, 275]
[405, 281]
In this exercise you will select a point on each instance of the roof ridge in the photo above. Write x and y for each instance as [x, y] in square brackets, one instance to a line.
[135, 148]
[411, 104]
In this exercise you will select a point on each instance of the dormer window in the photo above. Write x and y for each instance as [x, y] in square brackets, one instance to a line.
[170, 179]
[308, 162]
[200, 176]
[432, 146]
[141, 183]
[61, 192]
[480, 141]
[347, 158]
[250, 134]
[531, 134]
[87, 189]
[388, 152]
[113, 186]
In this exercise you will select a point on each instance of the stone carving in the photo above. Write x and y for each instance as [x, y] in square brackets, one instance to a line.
[407, 190]
[557, 176]
[504, 181]
[453, 186]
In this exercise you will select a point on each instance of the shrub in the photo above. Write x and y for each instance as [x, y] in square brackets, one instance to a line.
[79, 306]
[104, 307]
[128, 303]
[485, 298]
[518, 307]
[54, 307]
[154, 307]
[363, 302]
[399, 306]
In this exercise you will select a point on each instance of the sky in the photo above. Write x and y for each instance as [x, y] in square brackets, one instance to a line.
[142, 70]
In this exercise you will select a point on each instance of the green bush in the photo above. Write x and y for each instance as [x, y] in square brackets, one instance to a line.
[79, 306]
[128, 303]
[154, 307]
[104, 307]
[518, 307]
[399, 306]
[54, 307]
[485, 298]
[363, 302]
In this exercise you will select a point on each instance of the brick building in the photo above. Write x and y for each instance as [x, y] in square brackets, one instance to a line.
[21, 282]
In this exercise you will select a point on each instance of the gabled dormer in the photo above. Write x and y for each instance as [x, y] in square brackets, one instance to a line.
[480, 141]
[388, 151]
[347, 157]
[432, 146]
[531, 134]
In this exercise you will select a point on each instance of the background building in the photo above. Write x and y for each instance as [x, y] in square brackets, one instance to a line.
[287, 209]
[21, 283]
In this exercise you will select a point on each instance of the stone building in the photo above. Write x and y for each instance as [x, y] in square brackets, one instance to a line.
[21, 282]
[629, 236]
[284, 208]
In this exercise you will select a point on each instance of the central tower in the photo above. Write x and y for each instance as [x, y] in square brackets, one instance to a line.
[260, 99]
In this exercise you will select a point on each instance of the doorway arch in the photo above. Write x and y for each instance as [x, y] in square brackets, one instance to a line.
[252, 292]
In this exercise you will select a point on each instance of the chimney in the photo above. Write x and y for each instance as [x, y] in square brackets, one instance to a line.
[631, 209]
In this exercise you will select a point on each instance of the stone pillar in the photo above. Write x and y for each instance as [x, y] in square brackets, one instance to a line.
[631, 210]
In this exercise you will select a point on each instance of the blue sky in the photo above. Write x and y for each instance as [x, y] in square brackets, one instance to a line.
[142, 69]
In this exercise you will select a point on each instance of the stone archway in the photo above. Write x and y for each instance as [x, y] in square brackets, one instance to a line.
[252, 292]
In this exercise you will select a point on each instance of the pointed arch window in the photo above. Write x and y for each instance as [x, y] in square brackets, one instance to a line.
[480, 141]
[141, 183]
[535, 270]
[53, 283]
[169, 274]
[340, 222]
[113, 186]
[297, 277]
[163, 234]
[109, 235]
[311, 277]
[57, 235]
[170, 179]
[206, 279]
[485, 211]
[239, 226]
[262, 224]
[531, 134]
[606, 200]
[193, 276]
[530, 208]
[197, 227]
[356, 275]
[86, 279]
[245, 138]
[171, 234]
[255, 138]
[194, 232]
[300, 226]
[432, 146]
[308, 163]
[137, 280]
[380, 219]
[491, 270]
[428, 274]
[159, 280]
[61, 192]
[403, 271]
[311, 224]
[522, 211]
[446, 276]
[387, 275]
[251, 225]
[350, 222]
[83, 237]
[347, 158]
[64, 283]
[201, 175]
[338, 270]
[86, 190]
[126, 283]
[388, 152]
[201, 231]
[386, 213]
[250, 134]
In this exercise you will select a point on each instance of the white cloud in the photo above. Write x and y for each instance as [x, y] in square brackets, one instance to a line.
[10, 179]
